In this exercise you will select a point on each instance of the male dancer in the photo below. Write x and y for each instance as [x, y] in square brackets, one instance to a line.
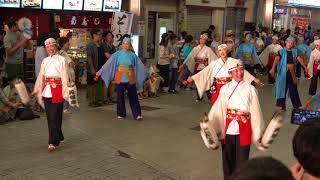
[286, 77]
[216, 74]
[237, 118]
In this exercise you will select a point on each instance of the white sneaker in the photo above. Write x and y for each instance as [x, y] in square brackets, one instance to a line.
[139, 118]
[120, 117]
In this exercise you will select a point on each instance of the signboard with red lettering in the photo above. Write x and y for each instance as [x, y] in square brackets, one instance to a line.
[73, 5]
[84, 20]
[302, 23]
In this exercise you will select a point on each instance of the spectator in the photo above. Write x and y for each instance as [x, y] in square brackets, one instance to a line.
[306, 149]
[210, 33]
[308, 36]
[215, 43]
[108, 41]
[180, 46]
[41, 51]
[174, 57]
[96, 53]
[288, 33]
[262, 168]
[14, 43]
[7, 108]
[164, 61]
[187, 48]
[65, 45]
[2, 49]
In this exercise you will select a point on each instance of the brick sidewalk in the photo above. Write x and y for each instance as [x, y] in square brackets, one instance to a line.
[24, 156]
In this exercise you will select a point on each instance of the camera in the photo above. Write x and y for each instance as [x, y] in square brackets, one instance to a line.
[299, 116]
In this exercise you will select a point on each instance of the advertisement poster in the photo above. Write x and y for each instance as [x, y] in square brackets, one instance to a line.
[31, 4]
[121, 24]
[302, 23]
[72, 4]
[49, 4]
[92, 5]
[112, 5]
[10, 3]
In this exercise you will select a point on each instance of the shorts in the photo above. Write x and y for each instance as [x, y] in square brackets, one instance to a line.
[90, 79]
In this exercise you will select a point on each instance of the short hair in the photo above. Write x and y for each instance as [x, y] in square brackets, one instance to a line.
[170, 32]
[105, 34]
[288, 31]
[173, 36]
[63, 41]
[184, 34]
[212, 27]
[11, 22]
[41, 38]
[262, 168]
[188, 39]
[306, 146]
[94, 31]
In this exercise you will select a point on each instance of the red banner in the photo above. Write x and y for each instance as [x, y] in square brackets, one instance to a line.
[83, 20]
[302, 23]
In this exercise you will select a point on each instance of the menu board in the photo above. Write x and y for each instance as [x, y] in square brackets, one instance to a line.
[31, 4]
[72, 4]
[112, 5]
[50, 4]
[10, 3]
[92, 5]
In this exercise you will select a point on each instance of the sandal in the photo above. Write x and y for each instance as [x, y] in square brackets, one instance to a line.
[51, 147]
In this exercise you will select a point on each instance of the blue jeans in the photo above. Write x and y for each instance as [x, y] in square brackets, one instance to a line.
[173, 79]
[66, 105]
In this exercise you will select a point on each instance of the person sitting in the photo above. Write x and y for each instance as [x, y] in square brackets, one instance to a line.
[262, 168]
[306, 149]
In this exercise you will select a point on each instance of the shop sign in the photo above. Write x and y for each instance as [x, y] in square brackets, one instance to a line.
[280, 10]
[121, 25]
[302, 23]
[112, 5]
[83, 21]
[300, 12]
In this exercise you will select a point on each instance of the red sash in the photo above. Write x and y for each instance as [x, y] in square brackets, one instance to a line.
[272, 57]
[56, 89]
[220, 83]
[315, 68]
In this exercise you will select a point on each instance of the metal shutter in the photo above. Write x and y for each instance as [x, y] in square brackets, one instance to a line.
[198, 20]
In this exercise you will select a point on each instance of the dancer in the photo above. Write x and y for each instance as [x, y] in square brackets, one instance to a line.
[237, 118]
[199, 58]
[128, 73]
[314, 68]
[304, 52]
[52, 88]
[269, 54]
[248, 55]
[214, 76]
[286, 77]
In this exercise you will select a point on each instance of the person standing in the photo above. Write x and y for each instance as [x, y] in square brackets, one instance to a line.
[164, 61]
[111, 49]
[173, 48]
[96, 53]
[41, 52]
[269, 54]
[215, 43]
[304, 52]
[51, 89]
[248, 55]
[286, 77]
[128, 72]
[200, 57]
[2, 49]
[216, 75]
[237, 118]
[314, 68]
[65, 45]
[14, 43]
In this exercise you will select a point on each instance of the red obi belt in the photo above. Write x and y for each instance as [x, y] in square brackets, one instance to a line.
[243, 119]
[56, 89]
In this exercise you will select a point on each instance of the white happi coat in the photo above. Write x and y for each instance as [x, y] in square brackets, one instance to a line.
[272, 48]
[52, 66]
[216, 69]
[244, 98]
[314, 57]
[204, 52]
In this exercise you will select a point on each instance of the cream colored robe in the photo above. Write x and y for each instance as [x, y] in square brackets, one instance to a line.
[272, 48]
[217, 114]
[314, 57]
[40, 82]
[205, 52]
[204, 78]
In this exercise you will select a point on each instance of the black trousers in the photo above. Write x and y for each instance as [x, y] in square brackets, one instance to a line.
[233, 154]
[54, 119]
[271, 80]
[165, 74]
[293, 93]
[314, 83]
